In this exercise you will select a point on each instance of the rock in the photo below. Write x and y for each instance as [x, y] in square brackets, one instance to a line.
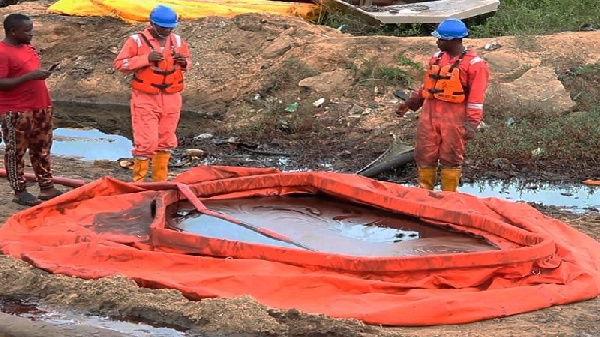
[328, 81]
[279, 46]
[492, 45]
[503, 62]
[356, 111]
[126, 163]
[319, 102]
[193, 153]
[539, 87]
[203, 136]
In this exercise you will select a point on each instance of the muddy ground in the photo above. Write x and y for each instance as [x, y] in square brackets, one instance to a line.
[246, 70]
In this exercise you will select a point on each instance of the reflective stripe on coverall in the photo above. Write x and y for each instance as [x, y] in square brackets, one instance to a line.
[154, 117]
[440, 130]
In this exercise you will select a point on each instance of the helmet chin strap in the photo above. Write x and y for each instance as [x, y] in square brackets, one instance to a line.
[158, 34]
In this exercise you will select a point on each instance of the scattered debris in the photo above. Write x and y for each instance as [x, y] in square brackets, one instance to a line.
[194, 153]
[319, 102]
[126, 163]
[203, 136]
[292, 107]
[537, 152]
[492, 45]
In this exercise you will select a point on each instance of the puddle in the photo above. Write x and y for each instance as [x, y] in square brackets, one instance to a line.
[90, 144]
[326, 225]
[132, 327]
[577, 198]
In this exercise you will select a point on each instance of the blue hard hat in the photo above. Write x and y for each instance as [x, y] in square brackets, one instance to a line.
[451, 29]
[163, 16]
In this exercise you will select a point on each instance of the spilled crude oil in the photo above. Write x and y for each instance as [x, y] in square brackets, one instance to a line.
[129, 326]
[326, 225]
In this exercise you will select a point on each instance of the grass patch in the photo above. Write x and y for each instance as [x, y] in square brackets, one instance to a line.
[583, 83]
[369, 72]
[289, 73]
[528, 17]
[527, 43]
[515, 132]
[513, 17]
[267, 118]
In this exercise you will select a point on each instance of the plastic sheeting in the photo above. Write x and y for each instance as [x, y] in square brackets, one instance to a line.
[110, 227]
[139, 11]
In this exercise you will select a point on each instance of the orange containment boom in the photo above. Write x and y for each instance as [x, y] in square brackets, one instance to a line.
[541, 261]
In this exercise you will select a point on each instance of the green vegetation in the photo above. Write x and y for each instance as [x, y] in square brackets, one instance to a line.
[289, 73]
[368, 72]
[574, 137]
[514, 17]
[519, 132]
[267, 117]
[584, 85]
[527, 17]
[266, 113]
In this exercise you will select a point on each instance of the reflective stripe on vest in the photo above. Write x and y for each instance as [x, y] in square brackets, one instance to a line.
[163, 76]
[443, 83]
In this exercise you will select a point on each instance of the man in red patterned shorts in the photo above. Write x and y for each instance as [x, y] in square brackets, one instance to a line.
[25, 111]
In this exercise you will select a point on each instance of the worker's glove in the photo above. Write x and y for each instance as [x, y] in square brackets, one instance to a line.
[414, 104]
[470, 131]
[402, 109]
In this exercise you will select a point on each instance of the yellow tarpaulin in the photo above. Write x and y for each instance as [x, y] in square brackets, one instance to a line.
[139, 10]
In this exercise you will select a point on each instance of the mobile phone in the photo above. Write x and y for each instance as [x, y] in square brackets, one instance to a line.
[401, 94]
[53, 67]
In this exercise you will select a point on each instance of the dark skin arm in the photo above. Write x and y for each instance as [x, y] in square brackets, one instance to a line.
[11, 83]
[180, 59]
[155, 56]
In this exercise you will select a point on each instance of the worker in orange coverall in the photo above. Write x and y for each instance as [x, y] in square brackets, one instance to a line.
[452, 98]
[157, 59]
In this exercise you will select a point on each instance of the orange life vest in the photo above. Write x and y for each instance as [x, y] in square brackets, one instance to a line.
[162, 76]
[443, 83]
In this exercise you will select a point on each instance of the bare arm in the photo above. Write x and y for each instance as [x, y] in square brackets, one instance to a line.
[9, 83]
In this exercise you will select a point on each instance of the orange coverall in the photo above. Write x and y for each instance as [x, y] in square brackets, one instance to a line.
[440, 138]
[440, 130]
[154, 117]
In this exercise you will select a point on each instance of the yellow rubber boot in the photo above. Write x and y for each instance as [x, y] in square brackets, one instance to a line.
[140, 169]
[427, 176]
[450, 177]
[160, 166]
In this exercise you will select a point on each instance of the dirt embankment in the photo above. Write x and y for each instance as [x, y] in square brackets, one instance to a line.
[247, 69]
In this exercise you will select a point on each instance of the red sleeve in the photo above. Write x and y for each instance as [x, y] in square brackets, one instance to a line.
[128, 59]
[478, 77]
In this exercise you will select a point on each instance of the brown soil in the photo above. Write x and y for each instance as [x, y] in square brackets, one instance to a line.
[242, 68]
